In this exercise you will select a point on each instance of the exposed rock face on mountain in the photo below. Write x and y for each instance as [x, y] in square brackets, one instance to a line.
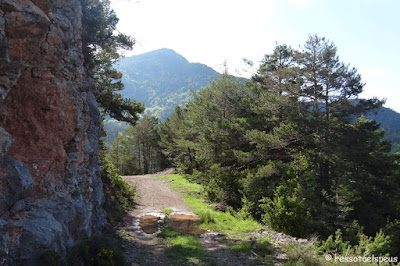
[50, 187]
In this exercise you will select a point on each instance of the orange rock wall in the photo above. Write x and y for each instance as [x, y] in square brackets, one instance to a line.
[49, 124]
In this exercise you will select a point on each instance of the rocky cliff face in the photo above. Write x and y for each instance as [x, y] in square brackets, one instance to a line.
[50, 188]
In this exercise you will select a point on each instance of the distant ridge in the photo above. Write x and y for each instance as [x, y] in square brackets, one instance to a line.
[162, 79]
[390, 122]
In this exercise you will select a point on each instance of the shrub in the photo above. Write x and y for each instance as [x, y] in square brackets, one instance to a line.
[99, 250]
[378, 245]
[302, 255]
[119, 195]
[286, 212]
[206, 216]
[334, 246]
[260, 183]
[246, 211]
[392, 229]
[50, 258]
[166, 211]
[291, 207]
[366, 246]
[222, 185]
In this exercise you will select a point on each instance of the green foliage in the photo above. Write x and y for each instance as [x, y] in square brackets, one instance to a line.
[163, 79]
[175, 138]
[389, 120]
[293, 137]
[185, 249]
[262, 247]
[122, 154]
[366, 246]
[245, 212]
[392, 230]
[114, 105]
[51, 258]
[370, 174]
[222, 185]
[303, 255]
[146, 138]
[104, 250]
[99, 24]
[119, 195]
[242, 246]
[101, 46]
[210, 121]
[261, 182]
[378, 245]
[286, 212]
[136, 151]
[166, 211]
[111, 127]
[290, 209]
[206, 217]
[222, 222]
[334, 245]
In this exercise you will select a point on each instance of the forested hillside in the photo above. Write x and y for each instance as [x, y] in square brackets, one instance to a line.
[285, 149]
[390, 122]
[162, 79]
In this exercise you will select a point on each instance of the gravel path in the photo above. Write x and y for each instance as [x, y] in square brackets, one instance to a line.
[146, 249]
[156, 194]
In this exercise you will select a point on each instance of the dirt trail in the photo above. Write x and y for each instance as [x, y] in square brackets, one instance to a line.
[146, 249]
[156, 194]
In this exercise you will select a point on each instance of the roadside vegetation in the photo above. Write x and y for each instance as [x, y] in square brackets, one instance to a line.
[237, 226]
[104, 248]
[119, 195]
[228, 223]
[184, 249]
[234, 228]
[291, 148]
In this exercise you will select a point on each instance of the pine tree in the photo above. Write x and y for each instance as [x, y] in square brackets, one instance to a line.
[101, 49]
[176, 139]
[329, 88]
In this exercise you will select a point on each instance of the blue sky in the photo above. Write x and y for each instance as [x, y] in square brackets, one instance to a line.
[366, 32]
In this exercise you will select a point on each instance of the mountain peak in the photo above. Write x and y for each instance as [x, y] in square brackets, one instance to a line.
[165, 51]
[163, 55]
[162, 79]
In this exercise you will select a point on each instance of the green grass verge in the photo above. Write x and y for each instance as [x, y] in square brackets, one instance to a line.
[222, 222]
[166, 211]
[262, 246]
[185, 249]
